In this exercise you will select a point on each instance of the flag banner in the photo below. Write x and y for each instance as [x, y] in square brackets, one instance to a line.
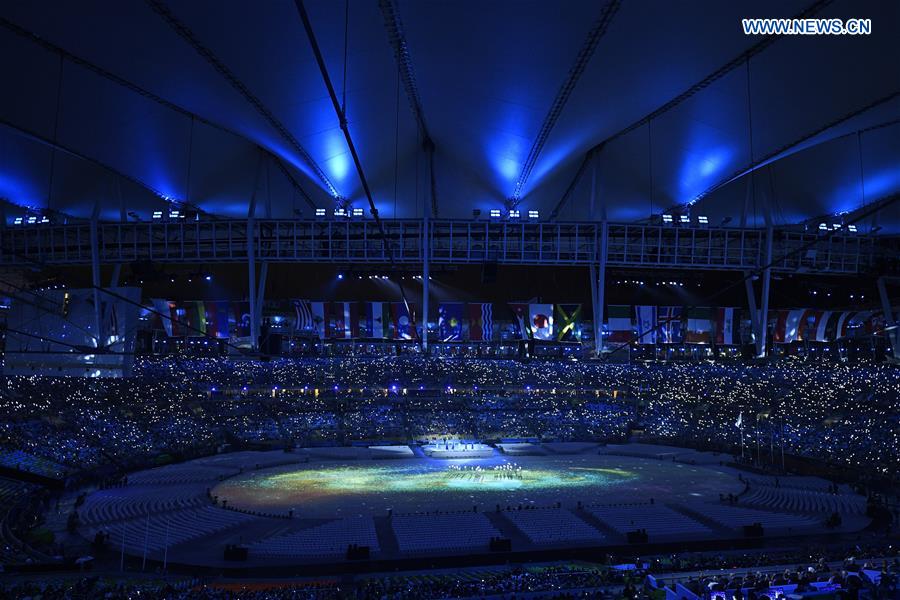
[821, 326]
[165, 314]
[354, 317]
[318, 317]
[241, 327]
[699, 325]
[376, 320]
[859, 324]
[541, 319]
[877, 324]
[402, 322]
[808, 324]
[481, 321]
[179, 318]
[792, 325]
[43, 329]
[568, 322]
[217, 319]
[303, 316]
[831, 327]
[778, 323]
[725, 320]
[620, 326]
[195, 317]
[450, 321]
[646, 319]
[521, 321]
[670, 330]
[841, 330]
[339, 320]
[363, 322]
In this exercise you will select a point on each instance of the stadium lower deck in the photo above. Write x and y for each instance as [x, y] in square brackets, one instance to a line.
[310, 505]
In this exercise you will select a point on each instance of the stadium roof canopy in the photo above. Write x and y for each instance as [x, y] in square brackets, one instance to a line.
[112, 107]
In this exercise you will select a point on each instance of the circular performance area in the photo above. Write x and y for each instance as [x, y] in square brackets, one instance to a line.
[427, 484]
[333, 505]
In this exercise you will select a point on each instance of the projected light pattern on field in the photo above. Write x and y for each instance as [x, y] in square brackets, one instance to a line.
[349, 480]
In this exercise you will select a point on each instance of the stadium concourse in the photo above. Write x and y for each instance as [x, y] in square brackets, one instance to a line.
[403, 299]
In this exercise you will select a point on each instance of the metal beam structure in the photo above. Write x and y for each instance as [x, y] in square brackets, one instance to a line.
[596, 33]
[456, 242]
[763, 320]
[95, 280]
[603, 259]
[163, 10]
[890, 321]
[704, 83]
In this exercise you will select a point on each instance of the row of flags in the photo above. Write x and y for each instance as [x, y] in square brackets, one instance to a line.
[475, 321]
[674, 325]
[722, 325]
[347, 320]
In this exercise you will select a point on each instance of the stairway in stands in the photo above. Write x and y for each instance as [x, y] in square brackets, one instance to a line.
[701, 518]
[507, 529]
[597, 524]
[387, 540]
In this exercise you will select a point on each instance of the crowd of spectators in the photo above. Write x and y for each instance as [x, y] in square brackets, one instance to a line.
[848, 414]
[632, 577]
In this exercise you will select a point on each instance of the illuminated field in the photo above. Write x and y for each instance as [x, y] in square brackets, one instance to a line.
[329, 488]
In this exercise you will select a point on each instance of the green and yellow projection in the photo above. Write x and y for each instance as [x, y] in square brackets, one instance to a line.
[349, 480]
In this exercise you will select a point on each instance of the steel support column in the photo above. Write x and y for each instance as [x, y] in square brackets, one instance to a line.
[95, 280]
[592, 277]
[754, 312]
[601, 287]
[426, 272]
[890, 322]
[251, 283]
[261, 294]
[762, 333]
[116, 275]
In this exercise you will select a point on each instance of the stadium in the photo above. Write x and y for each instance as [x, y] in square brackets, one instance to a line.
[407, 299]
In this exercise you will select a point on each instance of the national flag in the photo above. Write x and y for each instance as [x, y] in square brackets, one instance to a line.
[725, 319]
[740, 420]
[481, 321]
[198, 318]
[792, 325]
[808, 324]
[241, 319]
[217, 319]
[402, 321]
[670, 330]
[647, 323]
[568, 322]
[450, 321]
[318, 317]
[164, 313]
[699, 325]
[375, 323]
[843, 320]
[832, 327]
[179, 318]
[619, 323]
[521, 322]
[303, 316]
[541, 319]
[821, 326]
[859, 324]
[877, 324]
[339, 320]
[778, 321]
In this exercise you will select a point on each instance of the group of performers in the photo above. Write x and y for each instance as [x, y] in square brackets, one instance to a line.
[477, 473]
